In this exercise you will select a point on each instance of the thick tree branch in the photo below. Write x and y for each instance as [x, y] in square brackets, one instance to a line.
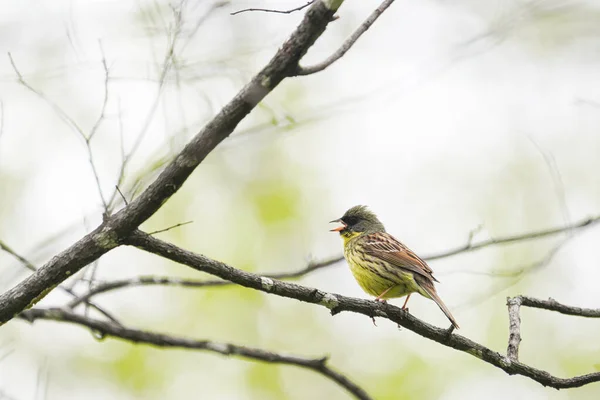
[318, 365]
[111, 232]
[338, 303]
[29, 265]
[347, 44]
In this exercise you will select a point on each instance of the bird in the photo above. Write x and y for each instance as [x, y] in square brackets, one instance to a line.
[381, 264]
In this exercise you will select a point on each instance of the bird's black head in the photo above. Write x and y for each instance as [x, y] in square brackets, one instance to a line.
[358, 219]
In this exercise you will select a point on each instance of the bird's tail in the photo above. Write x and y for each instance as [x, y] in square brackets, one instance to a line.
[432, 294]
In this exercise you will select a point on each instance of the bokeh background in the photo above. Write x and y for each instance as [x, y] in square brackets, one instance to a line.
[446, 117]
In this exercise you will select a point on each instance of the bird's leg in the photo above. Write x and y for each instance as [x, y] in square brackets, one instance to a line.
[406, 301]
[379, 298]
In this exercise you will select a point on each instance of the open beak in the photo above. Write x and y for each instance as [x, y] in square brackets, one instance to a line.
[339, 228]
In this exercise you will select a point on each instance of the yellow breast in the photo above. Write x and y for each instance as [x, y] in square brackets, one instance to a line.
[374, 277]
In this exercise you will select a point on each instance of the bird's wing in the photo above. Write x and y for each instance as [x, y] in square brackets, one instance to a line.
[387, 248]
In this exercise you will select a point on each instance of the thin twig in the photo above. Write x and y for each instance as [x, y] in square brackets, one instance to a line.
[348, 43]
[70, 122]
[268, 10]
[468, 247]
[514, 328]
[104, 287]
[318, 365]
[559, 186]
[59, 111]
[101, 117]
[122, 195]
[173, 33]
[170, 227]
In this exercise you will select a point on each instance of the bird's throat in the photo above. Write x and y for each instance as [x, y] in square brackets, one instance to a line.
[348, 235]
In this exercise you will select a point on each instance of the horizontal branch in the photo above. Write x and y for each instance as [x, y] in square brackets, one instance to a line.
[104, 287]
[553, 305]
[318, 365]
[338, 303]
[268, 10]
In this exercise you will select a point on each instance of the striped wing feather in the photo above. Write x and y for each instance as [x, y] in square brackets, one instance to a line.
[387, 248]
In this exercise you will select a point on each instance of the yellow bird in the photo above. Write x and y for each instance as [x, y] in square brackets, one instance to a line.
[382, 266]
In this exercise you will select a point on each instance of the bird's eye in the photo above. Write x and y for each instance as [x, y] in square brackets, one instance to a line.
[350, 221]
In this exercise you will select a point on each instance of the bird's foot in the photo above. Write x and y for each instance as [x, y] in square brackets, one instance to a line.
[374, 324]
[382, 301]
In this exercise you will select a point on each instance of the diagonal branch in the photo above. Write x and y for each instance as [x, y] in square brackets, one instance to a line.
[338, 303]
[318, 365]
[111, 232]
[29, 265]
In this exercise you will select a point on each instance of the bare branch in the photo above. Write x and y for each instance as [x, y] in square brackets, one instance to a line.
[59, 111]
[71, 122]
[101, 117]
[553, 305]
[302, 7]
[313, 266]
[348, 43]
[170, 227]
[122, 195]
[26, 263]
[338, 303]
[514, 338]
[104, 287]
[468, 247]
[318, 365]
[116, 227]
[31, 267]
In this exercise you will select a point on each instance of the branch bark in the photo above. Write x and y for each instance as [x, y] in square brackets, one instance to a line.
[104, 287]
[514, 328]
[338, 303]
[318, 365]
